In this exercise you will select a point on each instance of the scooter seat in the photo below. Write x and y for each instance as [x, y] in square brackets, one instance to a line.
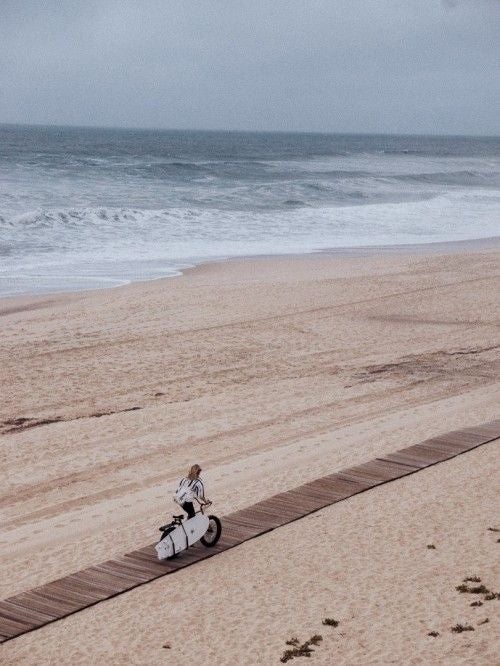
[181, 517]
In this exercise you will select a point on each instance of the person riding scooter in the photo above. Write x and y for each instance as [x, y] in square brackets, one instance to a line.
[191, 488]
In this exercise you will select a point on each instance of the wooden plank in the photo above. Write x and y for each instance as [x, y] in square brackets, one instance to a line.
[289, 508]
[87, 592]
[165, 566]
[59, 600]
[366, 477]
[12, 620]
[228, 540]
[145, 557]
[29, 614]
[453, 446]
[146, 565]
[186, 558]
[407, 459]
[33, 602]
[14, 627]
[287, 502]
[409, 468]
[107, 582]
[264, 508]
[147, 550]
[271, 520]
[432, 455]
[121, 573]
[235, 524]
[245, 519]
[239, 534]
[263, 518]
[69, 595]
[266, 511]
[248, 527]
[382, 469]
[34, 608]
[133, 566]
[441, 446]
[12, 609]
[220, 547]
[464, 439]
[358, 484]
[266, 520]
[312, 504]
[342, 487]
[321, 493]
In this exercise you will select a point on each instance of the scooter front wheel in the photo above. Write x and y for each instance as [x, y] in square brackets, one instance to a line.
[212, 535]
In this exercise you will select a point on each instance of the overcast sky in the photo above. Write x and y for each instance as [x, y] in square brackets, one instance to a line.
[397, 66]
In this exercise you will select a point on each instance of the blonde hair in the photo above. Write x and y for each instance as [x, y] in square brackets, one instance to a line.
[194, 471]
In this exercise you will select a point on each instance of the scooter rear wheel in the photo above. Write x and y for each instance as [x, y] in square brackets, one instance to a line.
[212, 535]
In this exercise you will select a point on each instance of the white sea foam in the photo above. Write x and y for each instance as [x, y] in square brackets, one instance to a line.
[105, 247]
[82, 208]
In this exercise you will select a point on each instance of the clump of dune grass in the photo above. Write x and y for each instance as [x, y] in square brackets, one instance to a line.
[431, 546]
[485, 621]
[316, 639]
[459, 628]
[478, 589]
[298, 650]
[464, 588]
[434, 634]
[491, 595]
[330, 622]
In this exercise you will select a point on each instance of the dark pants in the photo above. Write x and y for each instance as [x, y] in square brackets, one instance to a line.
[189, 509]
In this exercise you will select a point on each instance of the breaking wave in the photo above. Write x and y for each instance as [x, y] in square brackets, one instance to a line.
[82, 208]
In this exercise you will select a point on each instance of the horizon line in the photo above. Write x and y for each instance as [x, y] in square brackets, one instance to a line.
[244, 131]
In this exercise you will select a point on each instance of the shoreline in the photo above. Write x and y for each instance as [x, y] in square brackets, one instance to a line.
[437, 247]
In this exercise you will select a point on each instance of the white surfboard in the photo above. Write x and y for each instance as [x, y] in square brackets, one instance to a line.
[184, 535]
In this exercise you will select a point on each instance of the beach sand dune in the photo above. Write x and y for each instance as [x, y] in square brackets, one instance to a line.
[269, 373]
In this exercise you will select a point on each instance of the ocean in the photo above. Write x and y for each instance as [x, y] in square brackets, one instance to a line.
[88, 208]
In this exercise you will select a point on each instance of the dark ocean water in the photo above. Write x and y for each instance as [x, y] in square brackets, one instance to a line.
[83, 208]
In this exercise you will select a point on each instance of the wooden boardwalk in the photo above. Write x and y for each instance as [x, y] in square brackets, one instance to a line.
[33, 609]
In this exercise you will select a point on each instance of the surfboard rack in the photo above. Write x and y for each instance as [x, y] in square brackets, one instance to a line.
[177, 520]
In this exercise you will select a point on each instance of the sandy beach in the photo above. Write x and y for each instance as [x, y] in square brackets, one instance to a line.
[268, 372]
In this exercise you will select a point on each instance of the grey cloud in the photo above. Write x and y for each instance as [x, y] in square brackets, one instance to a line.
[323, 65]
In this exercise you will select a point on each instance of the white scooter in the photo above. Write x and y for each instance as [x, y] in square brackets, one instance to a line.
[182, 533]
